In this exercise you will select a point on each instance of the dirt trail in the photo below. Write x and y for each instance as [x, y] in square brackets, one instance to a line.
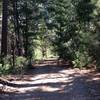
[54, 83]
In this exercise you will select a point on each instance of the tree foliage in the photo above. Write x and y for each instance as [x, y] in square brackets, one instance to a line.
[70, 27]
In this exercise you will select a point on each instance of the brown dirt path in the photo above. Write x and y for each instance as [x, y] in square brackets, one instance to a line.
[55, 83]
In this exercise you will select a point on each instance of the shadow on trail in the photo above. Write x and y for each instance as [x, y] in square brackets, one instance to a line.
[45, 69]
[46, 66]
[54, 83]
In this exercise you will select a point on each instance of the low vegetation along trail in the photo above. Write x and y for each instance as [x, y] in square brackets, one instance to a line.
[49, 82]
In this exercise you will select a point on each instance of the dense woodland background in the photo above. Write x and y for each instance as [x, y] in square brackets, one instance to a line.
[33, 30]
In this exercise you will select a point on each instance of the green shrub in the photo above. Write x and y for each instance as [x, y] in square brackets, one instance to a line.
[82, 59]
[5, 65]
[20, 64]
[6, 69]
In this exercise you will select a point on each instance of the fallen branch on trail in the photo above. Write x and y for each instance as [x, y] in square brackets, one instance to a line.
[3, 86]
[5, 82]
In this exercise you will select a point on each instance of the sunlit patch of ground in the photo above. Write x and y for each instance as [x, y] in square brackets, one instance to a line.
[42, 81]
[54, 83]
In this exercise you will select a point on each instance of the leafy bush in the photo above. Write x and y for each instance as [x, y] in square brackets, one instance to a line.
[20, 65]
[82, 59]
[5, 65]
[6, 69]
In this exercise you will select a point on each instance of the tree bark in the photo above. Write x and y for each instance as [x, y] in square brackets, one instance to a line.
[26, 37]
[17, 28]
[4, 28]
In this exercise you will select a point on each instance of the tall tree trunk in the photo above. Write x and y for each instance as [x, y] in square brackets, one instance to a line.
[26, 37]
[17, 28]
[4, 28]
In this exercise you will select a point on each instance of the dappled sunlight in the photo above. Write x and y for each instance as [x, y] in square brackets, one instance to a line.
[43, 88]
[51, 82]
[53, 87]
[47, 78]
[54, 82]
[49, 89]
[96, 78]
[93, 76]
[49, 50]
[57, 84]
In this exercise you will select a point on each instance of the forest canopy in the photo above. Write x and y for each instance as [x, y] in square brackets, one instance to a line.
[40, 29]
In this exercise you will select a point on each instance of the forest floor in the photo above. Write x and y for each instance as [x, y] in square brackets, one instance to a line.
[49, 82]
